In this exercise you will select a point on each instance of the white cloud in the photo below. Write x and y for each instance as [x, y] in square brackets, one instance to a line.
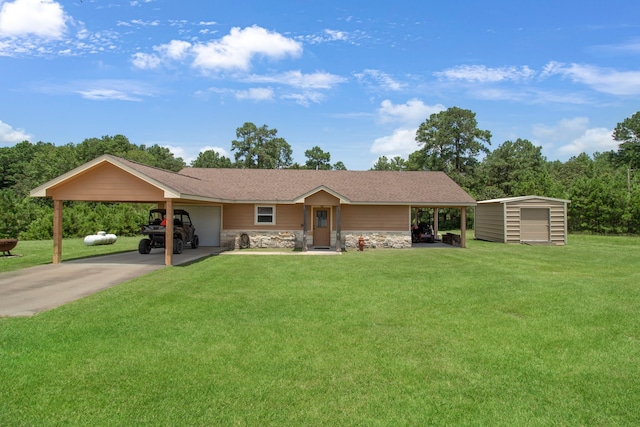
[107, 95]
[107, 90]
[329, 35]
[255, 94]
[137, 2]
[413, 112]
[146, 61]
[564, 130]
[9, 135]
[175, 49]
[42, 18]
[336, 35]
[484, 74]
[379, 79]
[570, 137]
[297, 79]
[178, 151]
[605, 80]
[631, 48]
[237, 49]
[218, 150]
[530, 96]
[401, 142]
[305, 98]
[593, 140]
[409, 115]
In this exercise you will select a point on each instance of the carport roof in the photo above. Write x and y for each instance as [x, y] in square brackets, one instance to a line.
[287, 185]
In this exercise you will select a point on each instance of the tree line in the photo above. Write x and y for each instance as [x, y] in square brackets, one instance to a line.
[26, 165]
[603, 188]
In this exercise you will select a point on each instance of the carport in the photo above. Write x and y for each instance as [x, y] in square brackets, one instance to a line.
[110, 179]
[435, 213]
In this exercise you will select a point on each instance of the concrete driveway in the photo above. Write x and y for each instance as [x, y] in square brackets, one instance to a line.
[32, 290]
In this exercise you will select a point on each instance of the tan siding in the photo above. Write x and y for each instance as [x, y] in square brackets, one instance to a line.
[238, 217]
[379, 218]
[290, 216]
[322, 198]
[107, 182]
[242, 217]
[512, 223]
[558, 224]
[489, 222]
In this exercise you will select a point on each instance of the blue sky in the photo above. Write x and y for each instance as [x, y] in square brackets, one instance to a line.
[355, 78]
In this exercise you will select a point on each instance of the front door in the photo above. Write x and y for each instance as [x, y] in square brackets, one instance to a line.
[321, 229]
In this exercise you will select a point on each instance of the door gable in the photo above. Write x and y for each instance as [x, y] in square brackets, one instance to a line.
[322, 198]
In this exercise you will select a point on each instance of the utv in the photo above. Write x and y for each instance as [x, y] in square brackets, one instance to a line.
[184, 232]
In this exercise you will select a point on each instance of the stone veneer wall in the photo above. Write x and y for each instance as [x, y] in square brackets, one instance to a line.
[262, 239]
[293, 239]
[377, 239]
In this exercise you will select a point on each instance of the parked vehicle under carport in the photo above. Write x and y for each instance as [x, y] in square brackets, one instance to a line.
[184, 232]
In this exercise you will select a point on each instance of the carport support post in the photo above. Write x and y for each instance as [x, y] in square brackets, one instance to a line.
[57, 231]
[435, 221]
[168, 237]
[338, 230]
[304, 229]
[463, 227]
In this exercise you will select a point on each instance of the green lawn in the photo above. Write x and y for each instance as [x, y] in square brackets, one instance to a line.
[497, 335]
[30, 253]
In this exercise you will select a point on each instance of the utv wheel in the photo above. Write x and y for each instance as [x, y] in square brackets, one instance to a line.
[144, 247]
[178, 246]
[195, 242]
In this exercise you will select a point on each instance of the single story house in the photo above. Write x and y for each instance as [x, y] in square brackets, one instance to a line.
[522, 219]
[277, 208]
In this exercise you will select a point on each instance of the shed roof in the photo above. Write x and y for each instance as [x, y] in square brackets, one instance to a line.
[523, 198]
[287, 185]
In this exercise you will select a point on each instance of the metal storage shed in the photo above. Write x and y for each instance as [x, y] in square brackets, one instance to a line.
[522, 219]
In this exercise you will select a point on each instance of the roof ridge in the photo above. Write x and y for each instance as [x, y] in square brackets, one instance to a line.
[155, 167]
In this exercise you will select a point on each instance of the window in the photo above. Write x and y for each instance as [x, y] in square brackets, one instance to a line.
[265, 215]
[321, 218]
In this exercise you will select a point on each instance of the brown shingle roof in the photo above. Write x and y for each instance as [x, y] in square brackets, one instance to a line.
[287, 185]
[290, 186]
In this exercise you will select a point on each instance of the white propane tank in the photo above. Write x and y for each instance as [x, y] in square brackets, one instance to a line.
[100, 238]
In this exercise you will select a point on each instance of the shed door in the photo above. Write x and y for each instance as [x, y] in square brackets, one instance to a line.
[534, 224]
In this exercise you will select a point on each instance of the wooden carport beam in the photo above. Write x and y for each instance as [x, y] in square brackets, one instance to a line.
[168, 236]
[436, 226]
[304, 228]
[338, 229]
[57, 232]
[463, 227]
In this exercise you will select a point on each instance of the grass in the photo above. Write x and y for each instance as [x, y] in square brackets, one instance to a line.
[30, 253]
[491, 335]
